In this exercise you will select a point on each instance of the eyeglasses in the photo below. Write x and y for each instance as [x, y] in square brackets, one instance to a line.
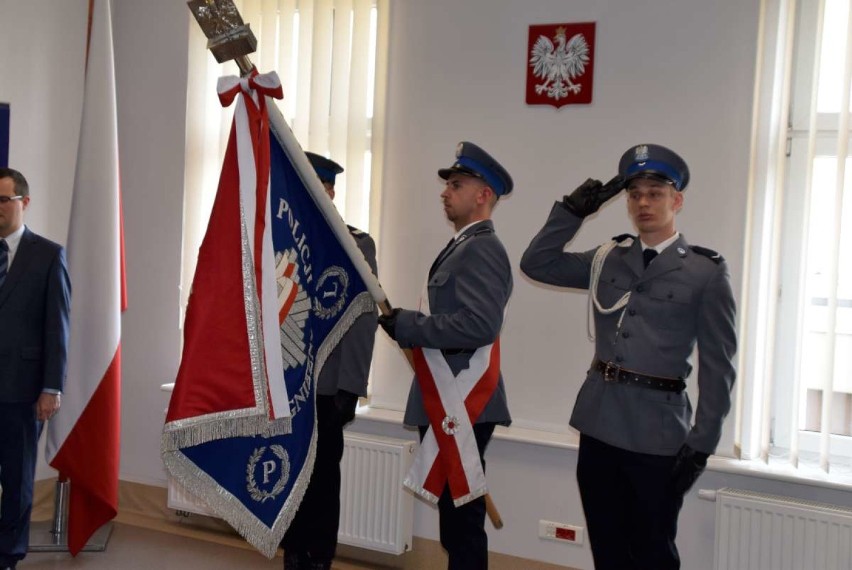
[7, 199]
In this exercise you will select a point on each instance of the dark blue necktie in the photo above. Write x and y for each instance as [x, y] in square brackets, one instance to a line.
[648, 255]
[441, 257]
[4, 260]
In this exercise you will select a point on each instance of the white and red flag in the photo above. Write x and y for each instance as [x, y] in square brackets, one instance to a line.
[83, 439]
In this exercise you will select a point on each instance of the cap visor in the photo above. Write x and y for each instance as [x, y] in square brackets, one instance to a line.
[651, 175]
[447, 172]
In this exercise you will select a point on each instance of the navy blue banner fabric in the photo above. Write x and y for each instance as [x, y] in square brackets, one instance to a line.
[4, 134]
[256, 482]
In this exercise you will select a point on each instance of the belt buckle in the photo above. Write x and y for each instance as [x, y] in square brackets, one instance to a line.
[611, 372]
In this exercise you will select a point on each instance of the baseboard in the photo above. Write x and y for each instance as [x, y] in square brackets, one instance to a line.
[145, 506]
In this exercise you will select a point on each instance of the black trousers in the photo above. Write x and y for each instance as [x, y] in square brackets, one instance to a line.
[314, 529]
[631, 512]
[19, 433]
[462, 529]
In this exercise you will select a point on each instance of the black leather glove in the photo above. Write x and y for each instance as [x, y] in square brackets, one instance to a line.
[388, 322]
[591, 195]
[345, 402]
[688, 465]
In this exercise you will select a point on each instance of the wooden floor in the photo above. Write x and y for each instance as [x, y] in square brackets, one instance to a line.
[137, 548]
[147, 535]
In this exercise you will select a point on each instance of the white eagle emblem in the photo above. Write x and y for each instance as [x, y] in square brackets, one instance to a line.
[558, 65]
[294, 306]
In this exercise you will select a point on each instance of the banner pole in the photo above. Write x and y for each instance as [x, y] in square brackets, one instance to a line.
[231, 39]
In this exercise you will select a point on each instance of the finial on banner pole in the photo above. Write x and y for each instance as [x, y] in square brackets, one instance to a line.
[228, 37]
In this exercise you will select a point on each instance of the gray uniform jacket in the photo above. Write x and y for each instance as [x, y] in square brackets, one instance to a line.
[468, 293]
[683, 297]
[35, 302]
[348, 365]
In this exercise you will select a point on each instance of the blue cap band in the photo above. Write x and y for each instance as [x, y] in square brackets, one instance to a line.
[480, 169]
[656, 167]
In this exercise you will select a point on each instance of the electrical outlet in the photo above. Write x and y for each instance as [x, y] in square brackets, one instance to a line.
[560, 531]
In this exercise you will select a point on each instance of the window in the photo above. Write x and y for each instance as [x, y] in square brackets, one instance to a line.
[330, 56]
[796, 407]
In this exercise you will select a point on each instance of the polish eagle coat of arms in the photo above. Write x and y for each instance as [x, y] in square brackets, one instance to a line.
[558, 67]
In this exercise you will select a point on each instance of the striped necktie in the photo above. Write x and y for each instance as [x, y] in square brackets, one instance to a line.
[4, 260]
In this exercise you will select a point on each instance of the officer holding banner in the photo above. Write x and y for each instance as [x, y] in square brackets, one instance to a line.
[654, 298]
[311, 540]
[458, 396]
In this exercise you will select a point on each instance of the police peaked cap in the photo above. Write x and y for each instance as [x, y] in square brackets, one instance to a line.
[654, 161]
[326, 168]
[473, 161]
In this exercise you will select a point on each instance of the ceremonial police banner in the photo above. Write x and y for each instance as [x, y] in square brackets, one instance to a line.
[275, 289]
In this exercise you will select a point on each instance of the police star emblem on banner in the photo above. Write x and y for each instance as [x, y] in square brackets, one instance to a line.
[560, 64]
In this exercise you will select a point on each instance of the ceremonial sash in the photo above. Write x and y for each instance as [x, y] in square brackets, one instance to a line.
[448, 453]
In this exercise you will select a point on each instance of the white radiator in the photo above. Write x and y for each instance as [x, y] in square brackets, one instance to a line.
[185, 502]
[755, 531]
[376, 513]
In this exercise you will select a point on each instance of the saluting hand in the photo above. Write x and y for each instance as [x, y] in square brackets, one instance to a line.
[591, 195]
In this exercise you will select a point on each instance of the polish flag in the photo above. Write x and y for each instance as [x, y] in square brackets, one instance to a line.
[83, 438]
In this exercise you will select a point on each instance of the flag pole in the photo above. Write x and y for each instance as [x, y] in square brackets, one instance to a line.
[229, 38]
[53, 535]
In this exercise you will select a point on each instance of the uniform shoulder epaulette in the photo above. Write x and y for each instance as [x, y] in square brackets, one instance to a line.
[622, 237]
[714, 256]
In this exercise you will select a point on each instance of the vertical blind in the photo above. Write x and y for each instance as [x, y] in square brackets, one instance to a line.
[798, 308]
[330, 56]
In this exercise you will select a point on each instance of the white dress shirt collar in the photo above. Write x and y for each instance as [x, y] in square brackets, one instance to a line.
[13, 240]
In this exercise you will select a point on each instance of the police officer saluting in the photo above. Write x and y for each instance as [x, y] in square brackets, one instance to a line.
[654, 298]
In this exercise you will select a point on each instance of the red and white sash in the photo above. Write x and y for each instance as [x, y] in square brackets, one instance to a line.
[448, 452]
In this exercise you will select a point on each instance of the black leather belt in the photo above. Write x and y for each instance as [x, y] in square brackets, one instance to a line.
[455, 351]
[615, 373]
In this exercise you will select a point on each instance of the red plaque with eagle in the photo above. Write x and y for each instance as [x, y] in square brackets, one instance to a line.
[560, 64]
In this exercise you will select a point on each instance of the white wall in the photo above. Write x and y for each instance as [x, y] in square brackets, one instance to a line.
[41, 75]
[676, 72]
[42, 47]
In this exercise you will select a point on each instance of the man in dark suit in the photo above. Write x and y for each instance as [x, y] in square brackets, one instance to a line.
[35, 296]
[655, 297]
[311, 540]
[461, 315]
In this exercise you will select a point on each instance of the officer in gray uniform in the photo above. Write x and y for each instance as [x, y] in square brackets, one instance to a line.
[311, 540]
[654, 298]
[469, 285]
